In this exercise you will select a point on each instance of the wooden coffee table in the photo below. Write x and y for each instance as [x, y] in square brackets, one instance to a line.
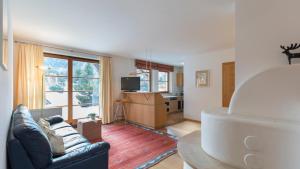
[90, 129]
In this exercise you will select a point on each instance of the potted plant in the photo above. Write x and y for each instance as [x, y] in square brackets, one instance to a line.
[92, 116]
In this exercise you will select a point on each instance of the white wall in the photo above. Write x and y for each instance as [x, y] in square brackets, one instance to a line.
[75, 52]
[6, 93]
[262, 26]
[121, 67]
[198, 99]
[154, 80]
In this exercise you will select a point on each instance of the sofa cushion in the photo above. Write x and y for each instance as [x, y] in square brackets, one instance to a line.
[66, 131]
[59, 125]
[76, 147]
[73, 140]
[26, 130]
[22, 115]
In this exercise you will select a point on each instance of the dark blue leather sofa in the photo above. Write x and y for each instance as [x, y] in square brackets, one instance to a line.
[28, 146]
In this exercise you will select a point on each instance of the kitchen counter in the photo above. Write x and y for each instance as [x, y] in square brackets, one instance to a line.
[146, 108]
[174, 103]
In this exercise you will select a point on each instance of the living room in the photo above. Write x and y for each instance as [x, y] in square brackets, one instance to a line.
[150, 84]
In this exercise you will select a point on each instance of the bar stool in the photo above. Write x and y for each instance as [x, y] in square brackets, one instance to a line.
[120, 109]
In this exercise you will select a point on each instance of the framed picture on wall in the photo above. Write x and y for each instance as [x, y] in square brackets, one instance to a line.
[202, 78]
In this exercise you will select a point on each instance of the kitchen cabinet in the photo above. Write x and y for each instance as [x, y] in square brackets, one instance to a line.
[179, 79]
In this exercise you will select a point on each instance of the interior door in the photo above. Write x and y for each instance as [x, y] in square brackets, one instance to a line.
[228, 84]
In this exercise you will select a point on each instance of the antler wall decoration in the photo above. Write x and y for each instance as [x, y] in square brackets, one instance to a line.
[289, 54]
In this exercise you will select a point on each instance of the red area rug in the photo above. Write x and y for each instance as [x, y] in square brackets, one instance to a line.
[136, 147]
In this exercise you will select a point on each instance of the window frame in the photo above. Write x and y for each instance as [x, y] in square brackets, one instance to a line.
[150, 79]
[70, 77]
[168, 82]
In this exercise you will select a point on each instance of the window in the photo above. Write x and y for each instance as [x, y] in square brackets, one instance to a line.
[163, 81]
[72, 84]
[85, 89]
[145, 76]
[56, 84]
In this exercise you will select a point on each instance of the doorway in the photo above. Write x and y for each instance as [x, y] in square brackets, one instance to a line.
[228, 82]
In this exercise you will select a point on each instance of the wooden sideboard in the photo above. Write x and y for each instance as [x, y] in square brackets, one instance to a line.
[146, 109]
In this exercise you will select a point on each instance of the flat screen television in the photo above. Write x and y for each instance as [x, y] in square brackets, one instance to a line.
[131, 84]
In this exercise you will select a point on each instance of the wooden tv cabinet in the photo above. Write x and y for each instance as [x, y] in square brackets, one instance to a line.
[146, 109]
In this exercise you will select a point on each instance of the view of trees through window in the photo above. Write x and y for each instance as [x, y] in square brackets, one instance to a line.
[145, 76]
[84, 82]
[56, 84]
[85, 88]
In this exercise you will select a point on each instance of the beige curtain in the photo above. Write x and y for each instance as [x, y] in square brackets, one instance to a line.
[106, 90]
[29, 76]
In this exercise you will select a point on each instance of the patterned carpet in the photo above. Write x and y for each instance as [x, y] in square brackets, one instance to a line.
[136, 147]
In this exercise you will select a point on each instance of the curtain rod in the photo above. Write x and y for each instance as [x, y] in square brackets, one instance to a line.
[59, 48]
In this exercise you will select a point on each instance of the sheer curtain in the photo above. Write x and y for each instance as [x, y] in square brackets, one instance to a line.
[106, 90]
[29, 75]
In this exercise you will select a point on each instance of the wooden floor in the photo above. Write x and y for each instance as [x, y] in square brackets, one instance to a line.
[180, 129]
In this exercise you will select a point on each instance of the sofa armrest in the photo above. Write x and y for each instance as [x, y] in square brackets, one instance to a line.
[84, 157]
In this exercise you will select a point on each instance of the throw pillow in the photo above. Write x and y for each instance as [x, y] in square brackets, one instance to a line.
[45, 125]
[56, 142]
[54, 119]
